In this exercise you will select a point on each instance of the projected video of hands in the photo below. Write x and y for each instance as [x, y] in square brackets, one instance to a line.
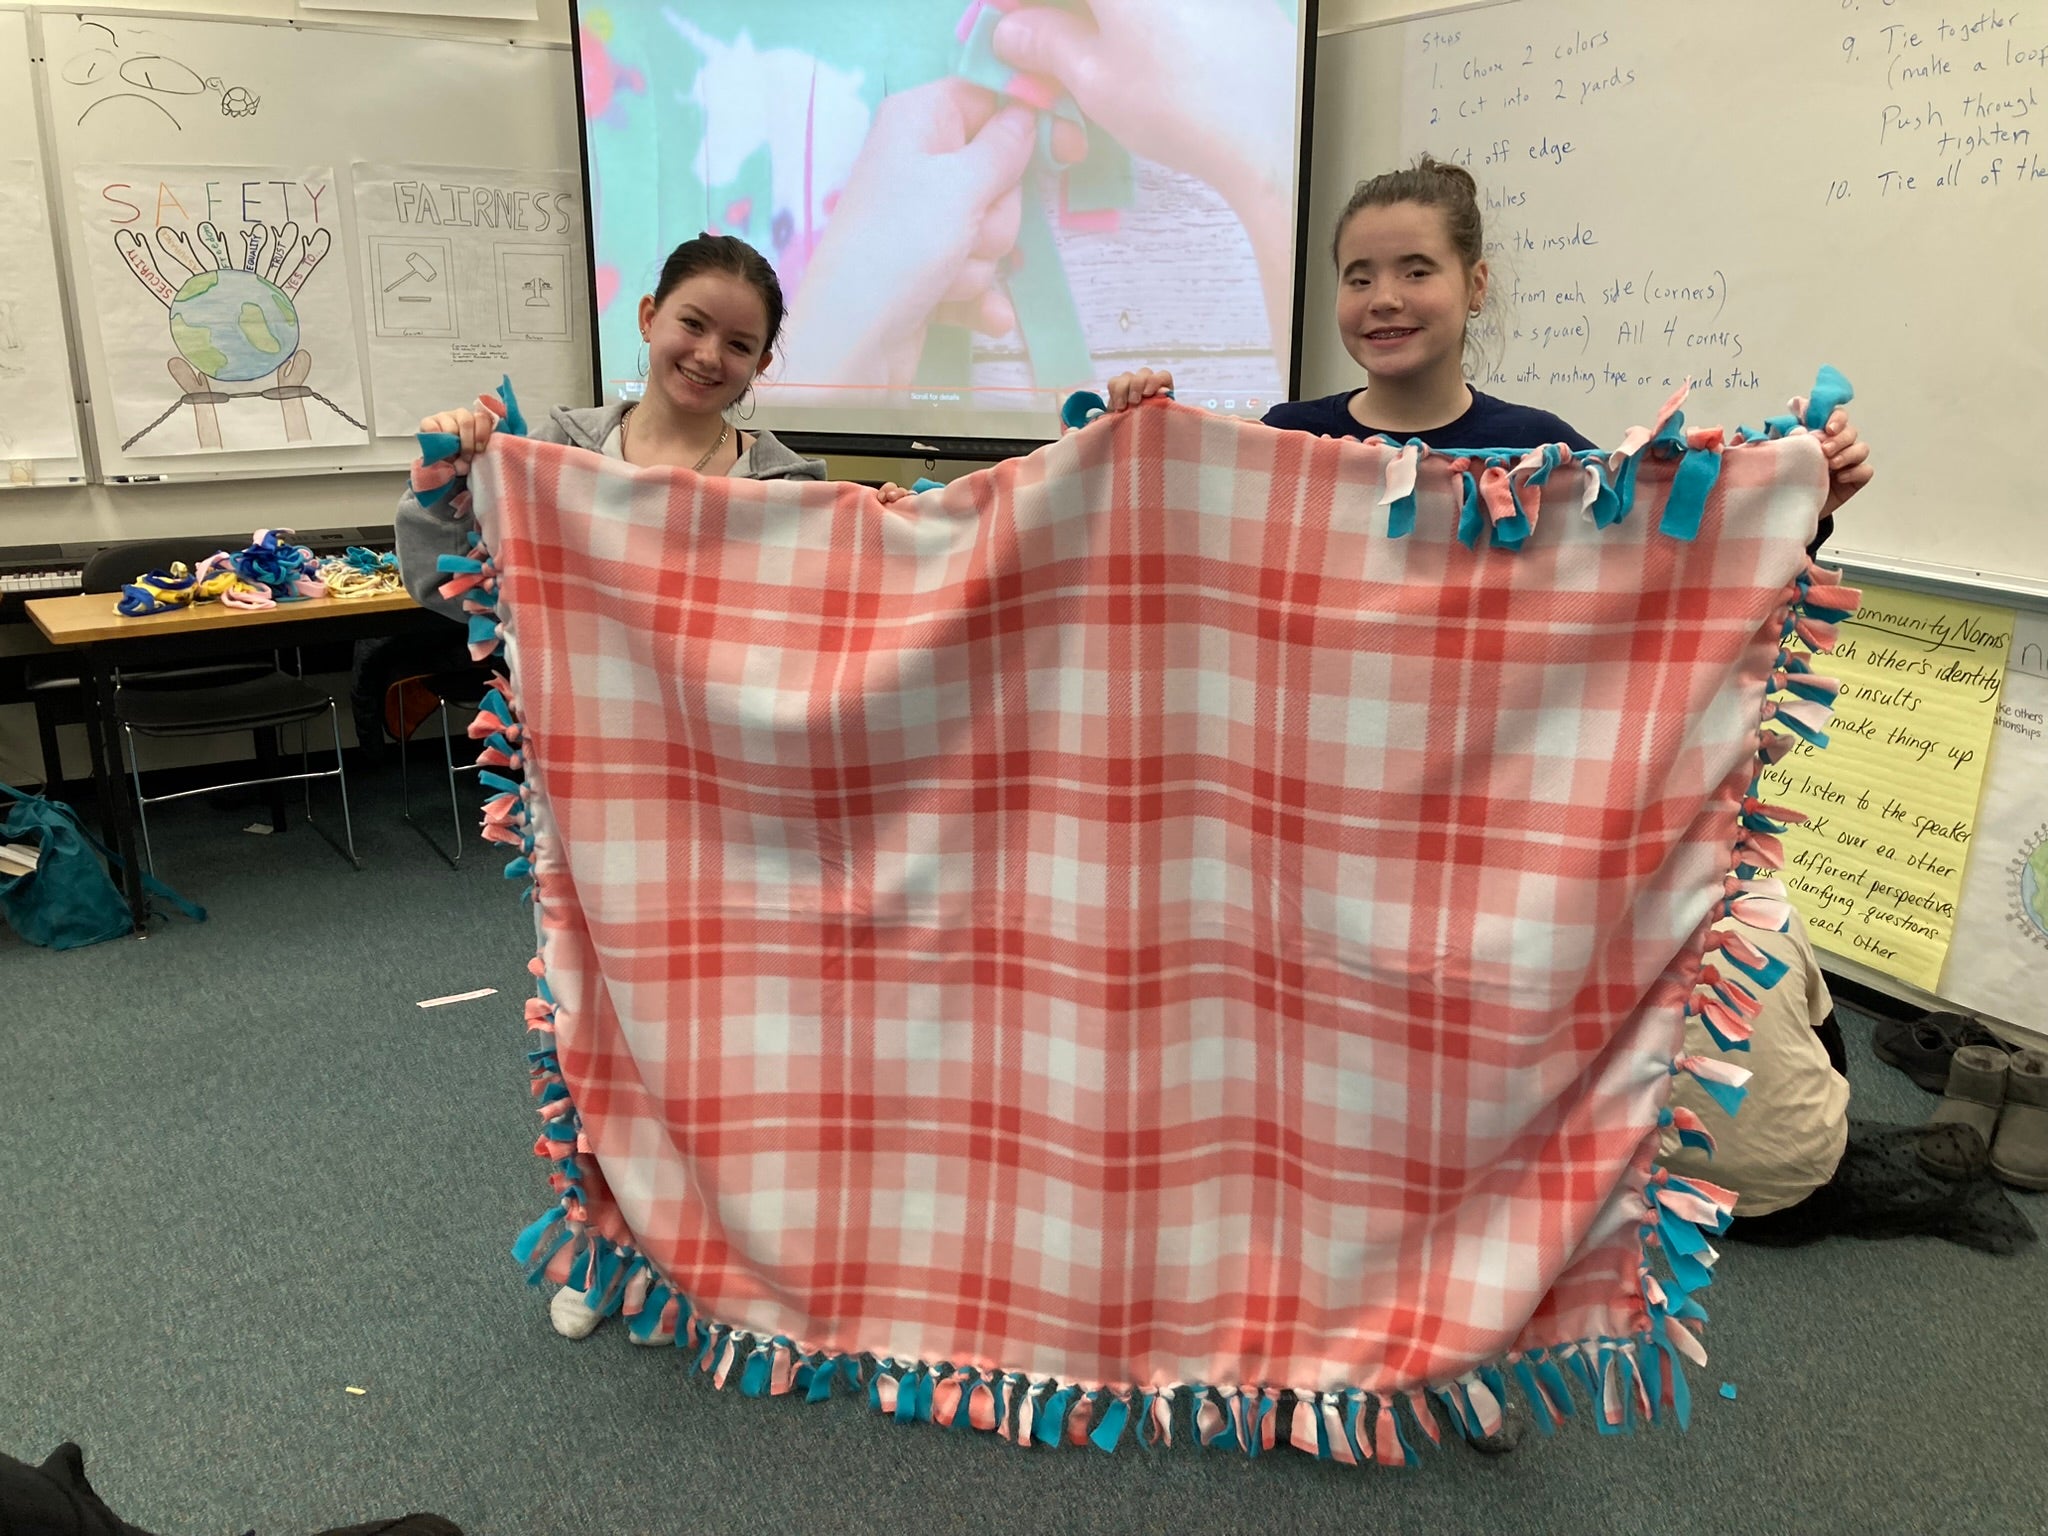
[977, 211]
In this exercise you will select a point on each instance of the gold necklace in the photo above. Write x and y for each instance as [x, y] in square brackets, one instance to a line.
[724, 431]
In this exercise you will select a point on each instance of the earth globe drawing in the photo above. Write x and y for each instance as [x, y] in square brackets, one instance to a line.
[234, 326]
[2034, 886]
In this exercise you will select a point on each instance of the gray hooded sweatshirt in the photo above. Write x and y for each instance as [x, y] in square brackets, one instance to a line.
[427, 533]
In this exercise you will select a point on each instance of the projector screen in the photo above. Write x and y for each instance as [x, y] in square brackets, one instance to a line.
[975, 207]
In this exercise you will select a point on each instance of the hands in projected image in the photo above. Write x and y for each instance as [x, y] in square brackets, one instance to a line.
[1192, 84]
[1205, 87]
[930, 213]
[919, 235]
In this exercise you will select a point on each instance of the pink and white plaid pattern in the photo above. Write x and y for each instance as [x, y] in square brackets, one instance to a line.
[1122, 918]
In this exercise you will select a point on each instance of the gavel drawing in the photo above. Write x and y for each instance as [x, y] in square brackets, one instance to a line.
[417, 266]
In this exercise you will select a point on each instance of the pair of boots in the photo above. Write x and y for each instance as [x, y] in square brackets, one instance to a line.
[1998, 1105]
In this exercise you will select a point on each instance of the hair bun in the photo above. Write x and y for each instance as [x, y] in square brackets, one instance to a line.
[1435, 184]
[1446, 170]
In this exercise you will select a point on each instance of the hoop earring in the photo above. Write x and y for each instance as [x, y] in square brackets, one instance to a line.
[747, 399]
[644, 355]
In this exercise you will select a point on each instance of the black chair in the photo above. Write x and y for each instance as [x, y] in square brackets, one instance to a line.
[215, 700]
[453, 691]
[55, 686]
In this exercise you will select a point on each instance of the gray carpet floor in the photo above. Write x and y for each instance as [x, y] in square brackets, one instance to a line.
[247, 1173]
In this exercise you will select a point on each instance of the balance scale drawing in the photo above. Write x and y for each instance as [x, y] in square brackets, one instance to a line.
[533, 286]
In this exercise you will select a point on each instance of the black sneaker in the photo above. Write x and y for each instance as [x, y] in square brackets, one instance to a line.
[1923, 1048]
[1514, 1420]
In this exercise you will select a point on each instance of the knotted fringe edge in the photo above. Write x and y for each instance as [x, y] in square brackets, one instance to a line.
[472, 578]
[1502, 495]
[1624, 1379]
[1620, 1382]
[1680, 1211]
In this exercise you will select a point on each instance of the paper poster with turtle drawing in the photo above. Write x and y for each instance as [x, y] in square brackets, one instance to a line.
[223, 306]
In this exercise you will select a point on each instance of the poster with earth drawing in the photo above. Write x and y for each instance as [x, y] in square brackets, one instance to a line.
[223, 307]
[1998, 960]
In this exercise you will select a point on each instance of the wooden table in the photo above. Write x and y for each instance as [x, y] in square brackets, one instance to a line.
[95, 617]
[92, 625]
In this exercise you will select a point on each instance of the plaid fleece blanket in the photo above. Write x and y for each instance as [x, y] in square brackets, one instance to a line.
[1188, 932]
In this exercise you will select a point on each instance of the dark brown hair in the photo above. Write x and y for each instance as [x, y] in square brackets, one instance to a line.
[736, 258]
[1450, 189]
[1434, 184]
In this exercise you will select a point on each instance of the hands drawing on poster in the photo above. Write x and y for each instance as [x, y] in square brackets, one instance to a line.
[232, 321]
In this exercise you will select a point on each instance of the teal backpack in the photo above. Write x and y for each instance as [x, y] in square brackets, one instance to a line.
[68, 900]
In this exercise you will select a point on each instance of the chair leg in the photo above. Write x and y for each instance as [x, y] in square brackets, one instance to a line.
[269, 750]
[141, 807]
[52, 752]
[348, 825]
[454, 802]
[404, 777]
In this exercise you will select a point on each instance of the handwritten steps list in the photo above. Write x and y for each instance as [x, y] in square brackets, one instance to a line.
[1919, 105]
[1877, 872]
[1954, 105]
[1532, 115]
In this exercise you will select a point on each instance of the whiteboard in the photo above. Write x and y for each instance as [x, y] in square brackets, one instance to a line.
[259, 124]
[38, 405]
[1742, 192]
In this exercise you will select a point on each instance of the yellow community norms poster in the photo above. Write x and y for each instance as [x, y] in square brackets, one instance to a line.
[1877, 870]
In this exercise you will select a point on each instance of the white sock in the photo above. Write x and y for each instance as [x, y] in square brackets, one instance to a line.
[572, 1314]
[661, 1336]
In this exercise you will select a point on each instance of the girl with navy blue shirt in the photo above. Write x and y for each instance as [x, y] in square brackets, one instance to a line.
[1410, 280]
